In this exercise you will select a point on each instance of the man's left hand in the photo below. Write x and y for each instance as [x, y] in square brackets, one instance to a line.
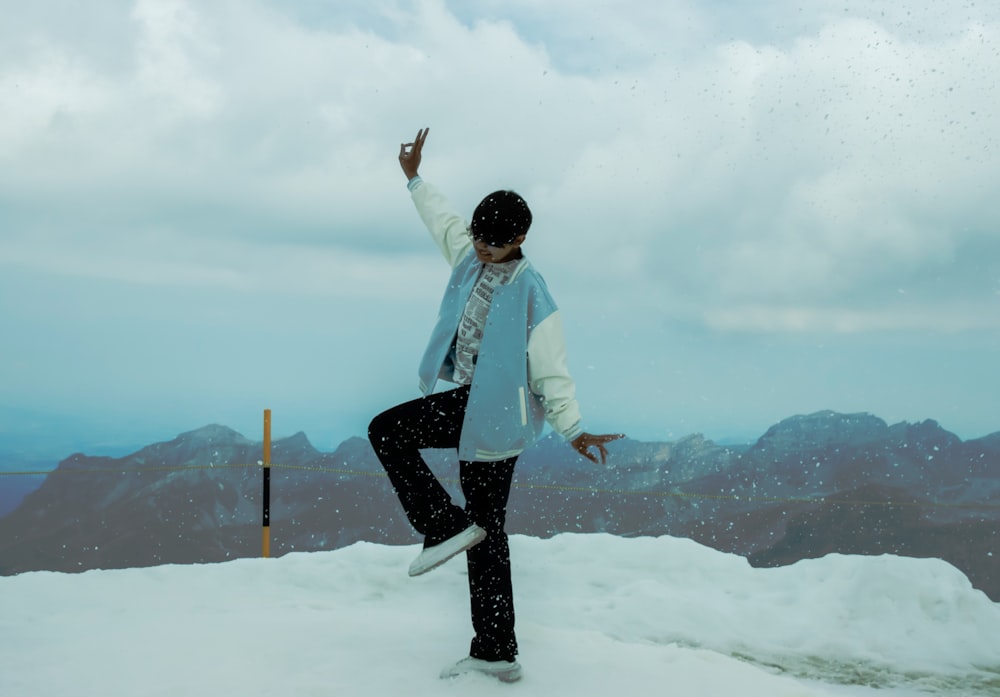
[583, 442]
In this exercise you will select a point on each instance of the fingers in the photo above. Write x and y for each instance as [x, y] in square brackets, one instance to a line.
[582, 446]
[585, 441]
[412, 150]
[595, 442]
[601, 440]
[418, 143]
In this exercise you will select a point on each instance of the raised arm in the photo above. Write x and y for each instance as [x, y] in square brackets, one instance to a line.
[448, 229]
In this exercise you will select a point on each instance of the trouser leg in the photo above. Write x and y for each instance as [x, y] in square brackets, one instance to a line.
[398, 434]
[487, 487]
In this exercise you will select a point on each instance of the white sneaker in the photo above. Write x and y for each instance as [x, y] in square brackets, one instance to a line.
[504, 671]
[433, 557]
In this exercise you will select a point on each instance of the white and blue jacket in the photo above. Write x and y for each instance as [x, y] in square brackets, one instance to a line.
[521, 379]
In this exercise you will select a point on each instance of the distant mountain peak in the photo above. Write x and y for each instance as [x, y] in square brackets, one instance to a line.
[824, 427]
[214, 433]
[297, 443]
[296, 439]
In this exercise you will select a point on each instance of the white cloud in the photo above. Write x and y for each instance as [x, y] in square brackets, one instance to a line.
[45, 92]
[789, 318]
[173, 50]
[713, 186]
[172, 259]
[841, 156]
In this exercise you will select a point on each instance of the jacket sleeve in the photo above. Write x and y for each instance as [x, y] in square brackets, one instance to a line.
[548, 377]
[449, 230]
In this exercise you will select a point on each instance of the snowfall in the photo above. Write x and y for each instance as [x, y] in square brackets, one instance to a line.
[597, 615]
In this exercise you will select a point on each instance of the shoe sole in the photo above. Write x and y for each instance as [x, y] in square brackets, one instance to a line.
[508, 673]
[435, 556]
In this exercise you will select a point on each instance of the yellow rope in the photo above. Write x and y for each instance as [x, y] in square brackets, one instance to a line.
[119, 470]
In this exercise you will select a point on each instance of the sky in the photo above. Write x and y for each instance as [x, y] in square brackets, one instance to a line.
[745, 211]
[597, 615]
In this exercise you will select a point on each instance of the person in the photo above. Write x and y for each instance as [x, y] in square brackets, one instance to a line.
[499, 339]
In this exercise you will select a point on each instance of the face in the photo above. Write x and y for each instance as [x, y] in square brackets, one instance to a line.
[490, 254]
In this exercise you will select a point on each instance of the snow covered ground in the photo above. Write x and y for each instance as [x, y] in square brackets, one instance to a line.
[597, 615]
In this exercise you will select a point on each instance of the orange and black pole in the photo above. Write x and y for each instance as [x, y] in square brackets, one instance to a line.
[266, 498]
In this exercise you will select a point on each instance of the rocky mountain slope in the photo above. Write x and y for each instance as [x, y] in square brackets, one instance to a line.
[811, 485]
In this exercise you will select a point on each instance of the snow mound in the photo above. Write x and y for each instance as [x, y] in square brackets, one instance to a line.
[597, 615]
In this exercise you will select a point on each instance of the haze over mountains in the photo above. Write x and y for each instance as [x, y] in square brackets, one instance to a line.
[811, 485]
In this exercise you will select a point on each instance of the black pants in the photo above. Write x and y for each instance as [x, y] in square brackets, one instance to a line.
[435, 421]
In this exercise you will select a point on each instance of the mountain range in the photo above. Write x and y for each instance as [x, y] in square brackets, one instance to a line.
[811, 485]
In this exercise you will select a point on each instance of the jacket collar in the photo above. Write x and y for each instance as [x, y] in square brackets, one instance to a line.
[521, 266]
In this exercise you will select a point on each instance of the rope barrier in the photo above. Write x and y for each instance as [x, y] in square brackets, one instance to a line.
[551, 487]
[120, 470]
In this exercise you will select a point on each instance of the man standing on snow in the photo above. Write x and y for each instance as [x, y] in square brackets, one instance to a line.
[499, 337]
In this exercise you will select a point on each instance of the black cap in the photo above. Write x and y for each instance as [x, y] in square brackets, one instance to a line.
[500, 217]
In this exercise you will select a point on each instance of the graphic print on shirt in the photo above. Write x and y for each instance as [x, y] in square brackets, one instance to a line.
[470, 329]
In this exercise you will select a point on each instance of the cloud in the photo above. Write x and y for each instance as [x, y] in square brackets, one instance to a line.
[722, 195]
[832, 171]
[169, 258]
[807, 171]
[788, 318]
[171, 47]
[42, 95]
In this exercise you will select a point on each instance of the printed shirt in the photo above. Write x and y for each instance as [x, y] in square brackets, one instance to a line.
[470, 329]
